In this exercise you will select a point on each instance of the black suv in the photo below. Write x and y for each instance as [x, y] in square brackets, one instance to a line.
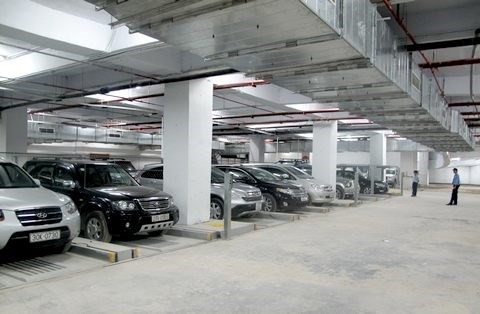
[277, 193]
[109, 200]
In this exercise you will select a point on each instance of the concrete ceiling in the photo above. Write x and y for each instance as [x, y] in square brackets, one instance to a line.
[62, 64]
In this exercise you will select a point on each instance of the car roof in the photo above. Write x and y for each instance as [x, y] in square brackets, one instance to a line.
[71, 162]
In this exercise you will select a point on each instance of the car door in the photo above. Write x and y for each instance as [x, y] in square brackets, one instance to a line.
[44, 173]
[64, 182]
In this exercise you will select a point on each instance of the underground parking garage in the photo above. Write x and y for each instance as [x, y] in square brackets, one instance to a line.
[239, 156]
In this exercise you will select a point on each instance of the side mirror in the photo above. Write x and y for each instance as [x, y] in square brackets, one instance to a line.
[37, 182]
[69, 184]
[285, 176]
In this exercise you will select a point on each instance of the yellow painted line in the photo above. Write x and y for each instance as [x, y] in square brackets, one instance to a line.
[112, 257]
[216, 224]
[135, 253]
[209, 237]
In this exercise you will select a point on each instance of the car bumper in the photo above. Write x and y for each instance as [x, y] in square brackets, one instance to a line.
[241, 207]
[289, 201]
[130, 222]
[17, 237]
[321, 196]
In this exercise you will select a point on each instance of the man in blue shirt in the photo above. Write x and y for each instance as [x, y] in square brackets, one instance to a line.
[455, 186]
[415, 181]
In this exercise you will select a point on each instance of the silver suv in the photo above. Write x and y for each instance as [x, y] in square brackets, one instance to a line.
[246, 199]
[32, 216]
[317, 192]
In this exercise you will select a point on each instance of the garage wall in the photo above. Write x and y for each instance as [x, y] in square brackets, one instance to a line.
[468, 175]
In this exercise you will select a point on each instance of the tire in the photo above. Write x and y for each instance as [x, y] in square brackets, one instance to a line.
[367, 190]
[96, 227]
[270, 204]
[216, 208]
[157, 233]
[339, 193]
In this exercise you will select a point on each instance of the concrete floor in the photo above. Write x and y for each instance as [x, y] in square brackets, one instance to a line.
[400, 255]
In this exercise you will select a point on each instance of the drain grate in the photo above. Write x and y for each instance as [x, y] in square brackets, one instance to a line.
[30, 267]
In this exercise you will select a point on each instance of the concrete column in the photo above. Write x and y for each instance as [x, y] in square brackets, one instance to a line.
[324, 155]
[378, 153]
[422, 164]
[187, 140]
[257, 149]
[13, 132]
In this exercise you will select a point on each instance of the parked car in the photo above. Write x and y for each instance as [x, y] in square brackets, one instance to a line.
[32, 216]
[391, 176]
[277, 194]
[380, 187]
[246, 199]
[125, 164]
[109, 200]
[344, 187]
[317, 192]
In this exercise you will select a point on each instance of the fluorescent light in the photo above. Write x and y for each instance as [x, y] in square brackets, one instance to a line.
[103, 97]
[356, 121]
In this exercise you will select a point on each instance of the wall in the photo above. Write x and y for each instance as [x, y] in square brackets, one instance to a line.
[468, 175]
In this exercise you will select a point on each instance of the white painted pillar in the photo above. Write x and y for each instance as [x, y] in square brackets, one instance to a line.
[324, 155]
[422, 164]
[13, 132]
[187, 140]
[256, 149]
[378, 153]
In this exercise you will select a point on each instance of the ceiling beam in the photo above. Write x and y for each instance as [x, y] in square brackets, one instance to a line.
[450, 63]
[278, 114]
[444, 44]
[463, 104]
[470, 113]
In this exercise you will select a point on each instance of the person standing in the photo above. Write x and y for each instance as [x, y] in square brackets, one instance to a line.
[455, 186]
[415, 181]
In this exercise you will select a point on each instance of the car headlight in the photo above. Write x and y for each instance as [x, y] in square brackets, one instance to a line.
[285, 191]
[124, 205]
[69, 207]
[314, 186]
[170, 202]
[349, 184]
[2, 216]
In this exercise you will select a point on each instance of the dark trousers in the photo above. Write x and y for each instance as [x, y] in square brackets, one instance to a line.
[454, 198]
[414, 188]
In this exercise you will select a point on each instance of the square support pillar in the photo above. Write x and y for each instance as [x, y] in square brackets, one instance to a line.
[378, 154]
[324, 155]
[187, 150]
[13, 131]
[422, 165]
[256, 149]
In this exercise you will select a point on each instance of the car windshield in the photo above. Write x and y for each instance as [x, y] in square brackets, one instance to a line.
[218, 176]
[261, 174]
[298, 173]
[12, 176]
[105, 176]
[390, 172]
[125, 164]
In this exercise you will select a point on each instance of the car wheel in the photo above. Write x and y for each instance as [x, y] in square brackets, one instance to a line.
[96, 227]
[270, 204]
[367, 190]
[216, 208]
[339, 193]
[157, 233]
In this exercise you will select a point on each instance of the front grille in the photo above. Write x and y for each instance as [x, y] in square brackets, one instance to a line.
[154, 204]
[39, 216]
[299, 193]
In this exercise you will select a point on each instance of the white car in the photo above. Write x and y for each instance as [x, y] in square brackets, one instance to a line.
[32, 216]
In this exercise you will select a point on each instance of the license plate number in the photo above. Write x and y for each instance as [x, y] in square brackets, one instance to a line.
[258, 206]
[44, 236]
[304, 198]
[162, 217]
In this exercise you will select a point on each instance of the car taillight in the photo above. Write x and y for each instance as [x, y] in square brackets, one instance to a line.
[2, 216]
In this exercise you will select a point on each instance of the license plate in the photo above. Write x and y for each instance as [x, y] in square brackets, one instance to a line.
[44, 236]
[304, 198]
[258, 206]
[162, 217]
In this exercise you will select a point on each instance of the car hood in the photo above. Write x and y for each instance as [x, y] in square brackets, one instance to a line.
[284, 184]
[131, 192]
[22, 198]
[237, 187]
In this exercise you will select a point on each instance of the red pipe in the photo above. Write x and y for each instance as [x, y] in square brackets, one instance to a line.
[412, 39]
[278, 114]
[450, 63]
